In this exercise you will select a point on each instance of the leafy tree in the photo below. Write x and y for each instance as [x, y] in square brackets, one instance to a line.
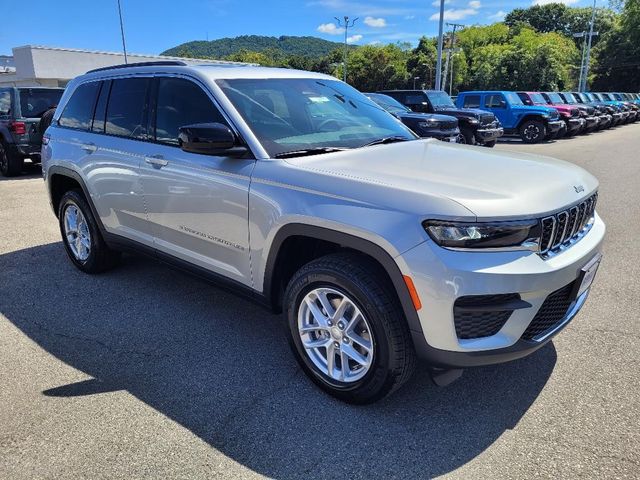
[373, 67]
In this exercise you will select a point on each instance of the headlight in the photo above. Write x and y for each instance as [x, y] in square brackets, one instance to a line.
[433, 124]
[518, 235]
[474, 121]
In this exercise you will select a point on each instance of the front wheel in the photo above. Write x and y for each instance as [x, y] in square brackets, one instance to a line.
[533, 131]
[466, 137]
[490, 144]
[346, 330]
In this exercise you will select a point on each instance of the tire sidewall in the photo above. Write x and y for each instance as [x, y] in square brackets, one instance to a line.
[76, 199]
[296, 292]
[541, 136]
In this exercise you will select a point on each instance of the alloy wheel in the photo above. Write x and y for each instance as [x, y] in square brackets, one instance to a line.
[532, 132]
[335, 335]
[77, 234]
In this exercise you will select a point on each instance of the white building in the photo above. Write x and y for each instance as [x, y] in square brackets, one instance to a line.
[33, 66]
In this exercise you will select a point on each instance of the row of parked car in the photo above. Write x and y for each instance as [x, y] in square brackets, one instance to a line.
[481, 117]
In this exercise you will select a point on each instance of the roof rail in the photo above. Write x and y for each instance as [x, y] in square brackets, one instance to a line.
[140, 64]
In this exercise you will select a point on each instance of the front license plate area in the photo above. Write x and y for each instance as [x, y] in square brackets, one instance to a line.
[587, 274]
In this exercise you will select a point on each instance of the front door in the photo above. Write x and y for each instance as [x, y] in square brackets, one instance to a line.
[197, 204]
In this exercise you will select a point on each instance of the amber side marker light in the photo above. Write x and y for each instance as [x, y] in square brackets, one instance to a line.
[413, 292]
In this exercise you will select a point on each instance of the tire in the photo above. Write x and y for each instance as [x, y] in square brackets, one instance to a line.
[99, 257]
[10, 164]
[390, 361]
[466, 137]
[490, 144]
[533, 131]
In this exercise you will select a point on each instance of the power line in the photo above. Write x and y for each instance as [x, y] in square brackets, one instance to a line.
[346, 27]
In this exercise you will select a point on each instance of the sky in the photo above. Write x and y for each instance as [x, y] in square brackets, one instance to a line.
[154, 26]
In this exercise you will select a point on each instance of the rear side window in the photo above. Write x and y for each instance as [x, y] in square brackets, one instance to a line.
[35, 101]
[5, 102]
[126, 108]
[180, 103]
[413, 99]
[471, 101]
[78, 112]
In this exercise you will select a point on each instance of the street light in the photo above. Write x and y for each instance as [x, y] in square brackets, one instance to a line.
[347, 25]
[414, 82]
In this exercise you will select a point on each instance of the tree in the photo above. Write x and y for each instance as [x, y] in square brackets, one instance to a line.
[373, 67]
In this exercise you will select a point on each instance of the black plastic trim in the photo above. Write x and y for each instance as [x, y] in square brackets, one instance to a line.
[348, 241]
[160, 63]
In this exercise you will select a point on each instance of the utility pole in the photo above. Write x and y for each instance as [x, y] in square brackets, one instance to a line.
[586, 63]
[440, 42]
[584, 48]
[347, 25]
[124, 44]
[450, 51]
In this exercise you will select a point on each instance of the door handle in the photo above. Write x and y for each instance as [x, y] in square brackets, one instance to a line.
[156, 161]
[89, 147]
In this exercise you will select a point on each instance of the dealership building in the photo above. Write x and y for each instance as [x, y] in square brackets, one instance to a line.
[33, 66]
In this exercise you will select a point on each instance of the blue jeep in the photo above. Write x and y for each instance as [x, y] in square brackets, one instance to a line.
[532, 123]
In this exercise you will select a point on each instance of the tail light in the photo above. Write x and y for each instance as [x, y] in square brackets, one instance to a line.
[19, 128]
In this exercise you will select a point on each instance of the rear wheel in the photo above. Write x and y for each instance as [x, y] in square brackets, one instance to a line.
[490, 144]
[81, 236]
[533, 131]
[10, 164]
[346, 329]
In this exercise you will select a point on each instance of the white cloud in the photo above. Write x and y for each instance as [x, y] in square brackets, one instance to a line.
[547, 2]
[459, 13]
[354, 38]
[330, 28]
[436, 3]
[375, 22]
[499, 15]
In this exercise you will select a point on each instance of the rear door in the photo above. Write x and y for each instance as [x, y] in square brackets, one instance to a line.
[102, 130]
[197, 204]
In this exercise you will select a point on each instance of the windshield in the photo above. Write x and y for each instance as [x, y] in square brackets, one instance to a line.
[580, 97]
[440, 99]
[34, 102]
[538, 98]
[569, 98]
[388, 103]
[513, 98]
[555, 97]
[293, 114]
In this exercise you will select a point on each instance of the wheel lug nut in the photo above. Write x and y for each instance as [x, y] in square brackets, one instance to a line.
[336, 344]
[345, 339]
[340, 325]
[329, 322]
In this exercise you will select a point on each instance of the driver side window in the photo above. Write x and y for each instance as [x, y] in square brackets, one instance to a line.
[495, 101]
[181, 102]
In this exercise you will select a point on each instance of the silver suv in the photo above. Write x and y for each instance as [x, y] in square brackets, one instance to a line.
[378, 247]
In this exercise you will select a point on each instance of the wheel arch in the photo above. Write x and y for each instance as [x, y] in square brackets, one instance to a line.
[531, 116]
[276, 273]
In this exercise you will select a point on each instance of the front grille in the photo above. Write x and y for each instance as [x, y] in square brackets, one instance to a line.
[486, 119]
[552, 312]
[566, 226]
[473, 317]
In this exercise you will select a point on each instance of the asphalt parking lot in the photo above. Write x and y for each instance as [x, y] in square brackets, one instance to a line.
[147, 372]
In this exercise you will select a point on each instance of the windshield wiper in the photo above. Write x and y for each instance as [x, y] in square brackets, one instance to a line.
[309, 151]
[380, 141]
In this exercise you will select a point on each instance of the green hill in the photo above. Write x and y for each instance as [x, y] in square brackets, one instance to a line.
[223, 47]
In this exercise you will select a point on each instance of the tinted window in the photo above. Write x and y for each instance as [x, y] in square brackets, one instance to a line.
[35, 101]
[78, 112]
[413, 99]
[182, 102]
[101, 107]
[471, 101]
[493, 101]
[126, 108]
[5, 102]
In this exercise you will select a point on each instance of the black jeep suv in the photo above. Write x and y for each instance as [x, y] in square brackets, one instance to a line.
[476, 126]
[20, 111]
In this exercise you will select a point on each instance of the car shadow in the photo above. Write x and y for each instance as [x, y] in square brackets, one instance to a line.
[29, 170]
[221, 367]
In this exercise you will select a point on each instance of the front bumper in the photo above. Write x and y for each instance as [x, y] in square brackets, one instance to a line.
[592, 122]
[446, 135]
[605, 120]
[442, 276]
[555, 125]
[575, 124]
[489, 134]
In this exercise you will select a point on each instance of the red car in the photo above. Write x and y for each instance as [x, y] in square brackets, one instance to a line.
[569, 114]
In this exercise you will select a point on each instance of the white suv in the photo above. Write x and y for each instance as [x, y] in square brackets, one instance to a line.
[294, 188]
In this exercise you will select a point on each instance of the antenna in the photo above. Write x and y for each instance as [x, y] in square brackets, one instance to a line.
[124, 45]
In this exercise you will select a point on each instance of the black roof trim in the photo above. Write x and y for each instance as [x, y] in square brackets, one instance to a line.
[141, 64]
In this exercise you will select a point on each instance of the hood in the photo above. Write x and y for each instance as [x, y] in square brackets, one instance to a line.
[491, 184]
[427, 116]
[564, 107]
[541, 109]
[470, 112]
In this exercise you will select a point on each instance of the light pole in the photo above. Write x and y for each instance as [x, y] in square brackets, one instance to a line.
[450, 51]
[584, 46]
[414, 82]
[586, 62]
[440, 42]
[124, 45]
[347, 25]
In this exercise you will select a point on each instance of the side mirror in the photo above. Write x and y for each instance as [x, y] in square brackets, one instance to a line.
[209, 139]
